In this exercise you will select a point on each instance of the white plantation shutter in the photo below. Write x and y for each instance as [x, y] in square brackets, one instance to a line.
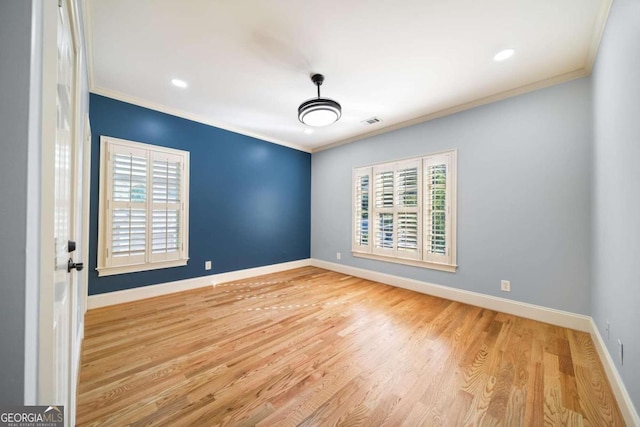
[408, 185]
[166, 207]
[438, 176]
[383, 187]
[128, 234]
[143, 217]
[383, 210]
[362, 209]
[396, 209]
[128, 206]
[408, 234]
[409, 214]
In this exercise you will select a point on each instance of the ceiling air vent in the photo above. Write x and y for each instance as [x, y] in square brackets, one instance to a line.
[372, 120]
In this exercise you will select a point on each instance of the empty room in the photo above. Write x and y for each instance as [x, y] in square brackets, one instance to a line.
[276, 213]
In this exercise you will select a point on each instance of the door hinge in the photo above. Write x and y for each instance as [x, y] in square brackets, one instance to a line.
[60, 3]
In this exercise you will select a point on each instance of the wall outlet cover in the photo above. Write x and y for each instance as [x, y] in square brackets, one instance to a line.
[621, 352]
[207, 265]
[505, 285]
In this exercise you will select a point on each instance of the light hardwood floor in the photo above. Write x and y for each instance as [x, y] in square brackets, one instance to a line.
[312, 347]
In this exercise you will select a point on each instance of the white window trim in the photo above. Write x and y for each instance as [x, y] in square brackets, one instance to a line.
[104, 221]
[450, 268]
[446, 263]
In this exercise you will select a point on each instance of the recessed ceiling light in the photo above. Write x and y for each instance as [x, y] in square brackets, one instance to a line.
[179, 83]
[308, 131]
[504, 54]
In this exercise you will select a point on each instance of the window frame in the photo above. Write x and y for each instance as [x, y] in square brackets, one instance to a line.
[105, 264]
[422, 257]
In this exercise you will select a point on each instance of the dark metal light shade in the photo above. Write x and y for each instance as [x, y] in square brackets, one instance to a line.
[319, 111]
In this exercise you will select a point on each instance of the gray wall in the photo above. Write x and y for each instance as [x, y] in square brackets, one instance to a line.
[523, 196]
[15, 42]
[616, 189]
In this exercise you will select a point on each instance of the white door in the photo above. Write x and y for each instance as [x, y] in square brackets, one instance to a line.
[58, 306]
[65, 101]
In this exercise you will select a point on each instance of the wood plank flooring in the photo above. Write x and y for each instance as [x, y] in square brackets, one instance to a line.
[310, 347]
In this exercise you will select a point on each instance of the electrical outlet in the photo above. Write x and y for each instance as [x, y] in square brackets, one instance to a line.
[338, 255]
[607, 329]
[207, 265]
[505, 285]
[620, 352]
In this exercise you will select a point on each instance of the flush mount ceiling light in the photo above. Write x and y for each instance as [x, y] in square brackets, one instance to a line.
[504, 54]
[319, 111]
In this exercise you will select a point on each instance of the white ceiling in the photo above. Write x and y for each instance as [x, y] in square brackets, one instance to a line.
[248, 62]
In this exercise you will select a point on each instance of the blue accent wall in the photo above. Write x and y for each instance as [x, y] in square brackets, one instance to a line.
[250, 200]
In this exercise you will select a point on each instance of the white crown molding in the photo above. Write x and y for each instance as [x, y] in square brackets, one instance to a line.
[435, 115]
[573, 75]
[599, 27]
[189, 116]
[598, 31]
[135, 294]
[631, 417]
[463, 107]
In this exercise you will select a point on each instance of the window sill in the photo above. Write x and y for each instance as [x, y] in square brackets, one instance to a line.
[112, 271]
[450, 268]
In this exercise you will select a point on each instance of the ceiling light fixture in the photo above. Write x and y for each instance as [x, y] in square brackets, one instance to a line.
[319, 111]
[179, 83]
[504, 54]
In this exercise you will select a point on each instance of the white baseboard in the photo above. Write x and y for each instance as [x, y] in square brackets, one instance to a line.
[625, 403]
[128, 295]
[530, 311]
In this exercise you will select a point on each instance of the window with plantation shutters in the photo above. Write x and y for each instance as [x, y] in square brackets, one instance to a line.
[143, 219]
[409, 214]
